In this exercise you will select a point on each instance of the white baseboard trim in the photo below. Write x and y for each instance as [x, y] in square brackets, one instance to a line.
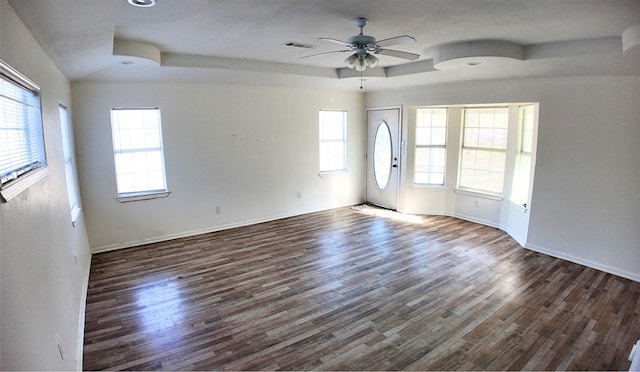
[533, 247]
[186, 234]
[584, 262]
[511, 234]
[474, 219]
[543, 250]
[81, 315]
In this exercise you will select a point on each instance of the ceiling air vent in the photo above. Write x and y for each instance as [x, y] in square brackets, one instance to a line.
[299, 45]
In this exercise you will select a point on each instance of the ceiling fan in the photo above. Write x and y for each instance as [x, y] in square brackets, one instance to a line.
[365, 46]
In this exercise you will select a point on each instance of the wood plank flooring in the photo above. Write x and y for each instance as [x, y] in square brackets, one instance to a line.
[345, 290]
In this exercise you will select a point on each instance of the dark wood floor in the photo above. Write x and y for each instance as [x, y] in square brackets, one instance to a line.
[344, 290]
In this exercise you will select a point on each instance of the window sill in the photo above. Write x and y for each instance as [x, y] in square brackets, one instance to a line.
[428, 186]
[479, 194]
[127, 198]
[75, 212]
[14, 188]
[522, 205]
[332, 173]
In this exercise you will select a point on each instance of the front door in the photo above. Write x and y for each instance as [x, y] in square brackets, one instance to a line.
[383, 153]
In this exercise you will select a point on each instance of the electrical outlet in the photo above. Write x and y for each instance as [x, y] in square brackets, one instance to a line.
[218, 209]
[299, 195]
[477, 203]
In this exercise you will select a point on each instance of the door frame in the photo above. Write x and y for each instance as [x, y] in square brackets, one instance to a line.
[401, 149]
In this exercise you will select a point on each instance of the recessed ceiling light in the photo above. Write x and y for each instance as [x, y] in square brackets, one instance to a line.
[142, 3]
[126, 62]
[473, 63]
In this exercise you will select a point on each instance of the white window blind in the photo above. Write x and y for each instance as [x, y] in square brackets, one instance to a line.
[333, 141]
[484, 145]
[137, 149]
[430, 154]
[21, 137]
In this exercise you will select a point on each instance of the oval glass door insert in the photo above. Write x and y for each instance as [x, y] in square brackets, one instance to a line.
[382, 155]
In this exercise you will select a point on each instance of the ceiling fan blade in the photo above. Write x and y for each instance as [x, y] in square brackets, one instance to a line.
[404, 39]
[319, 54]
[398, 54]
[335, 41]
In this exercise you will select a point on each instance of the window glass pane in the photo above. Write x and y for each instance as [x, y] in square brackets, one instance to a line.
[429, 165]
[431, 135]
[522, 169]
[138, 155]
[482, 170]
[500, 139]
[484, 143]
[471, 137]
[333, 140]
[485, 137]
[67, 150]
[438, 136]
[382, 155]
[526, 125]
[422, 136]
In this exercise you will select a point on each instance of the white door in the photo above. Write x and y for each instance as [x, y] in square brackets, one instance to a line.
[383, 157]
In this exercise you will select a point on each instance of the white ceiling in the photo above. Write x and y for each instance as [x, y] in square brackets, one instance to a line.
[242, 41]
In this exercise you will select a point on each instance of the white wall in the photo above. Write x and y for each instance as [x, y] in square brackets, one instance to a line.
[585, 195]
[42, 291]
[249, 150]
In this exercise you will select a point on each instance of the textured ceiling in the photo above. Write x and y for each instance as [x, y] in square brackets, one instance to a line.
[242, 41]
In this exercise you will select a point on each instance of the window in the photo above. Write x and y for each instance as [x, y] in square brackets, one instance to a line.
[138, 154]
[22, 153]
[67, 149]
[524, 155]
[333, 141]
[484, 144]
[431, 135]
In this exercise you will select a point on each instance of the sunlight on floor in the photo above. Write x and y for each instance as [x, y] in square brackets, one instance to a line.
[387, 213]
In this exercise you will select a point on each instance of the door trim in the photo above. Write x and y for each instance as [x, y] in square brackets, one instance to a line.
[400, 144]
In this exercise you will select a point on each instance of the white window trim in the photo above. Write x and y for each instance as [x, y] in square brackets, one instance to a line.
[345, 140]
[147, 195]
[331, 173]
[14, 188]
[444, 147]
[75, 208]
[469, 190]
[75, 212]
[478, 193]
[436, 186]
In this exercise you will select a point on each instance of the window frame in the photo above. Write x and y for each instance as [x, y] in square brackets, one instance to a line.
[520, 195]
[131, 196]
[343, 140]
[69, 163]
[23, 177]
[431, 146]
[463, 147]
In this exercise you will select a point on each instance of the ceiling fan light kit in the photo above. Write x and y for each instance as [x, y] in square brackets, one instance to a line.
[359, 63]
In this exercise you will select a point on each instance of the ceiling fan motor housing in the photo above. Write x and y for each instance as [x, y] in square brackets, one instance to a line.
[362, 41]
